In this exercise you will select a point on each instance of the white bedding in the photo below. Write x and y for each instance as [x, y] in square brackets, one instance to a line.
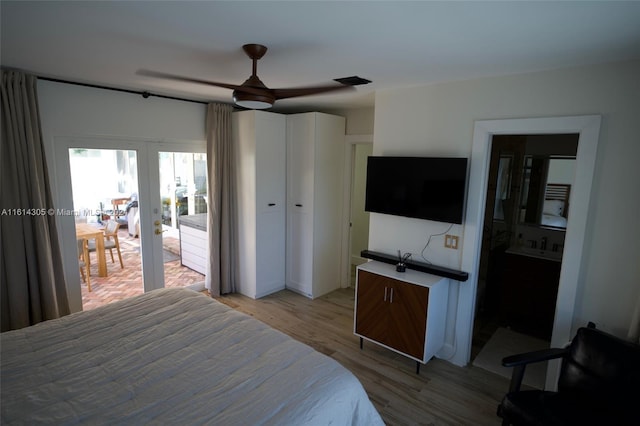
[172, 356]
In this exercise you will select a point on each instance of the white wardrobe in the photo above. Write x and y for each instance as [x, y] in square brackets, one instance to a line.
[260, 142]
[295, 160]
[315, 163]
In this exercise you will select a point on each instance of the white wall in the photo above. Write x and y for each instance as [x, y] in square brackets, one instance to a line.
[359, 121]
[76, 110]
[561, 171]
[438, 120]
[81, 113]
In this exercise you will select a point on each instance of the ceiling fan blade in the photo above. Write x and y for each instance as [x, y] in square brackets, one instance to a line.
[166, 76]
[308, 91]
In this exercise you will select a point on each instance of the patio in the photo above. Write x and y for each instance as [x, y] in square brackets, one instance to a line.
[124, 283]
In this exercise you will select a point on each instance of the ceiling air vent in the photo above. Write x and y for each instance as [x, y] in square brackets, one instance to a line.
[352, 81]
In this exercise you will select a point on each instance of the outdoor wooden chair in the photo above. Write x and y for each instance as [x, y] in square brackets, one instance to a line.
[110, 240]
[83, 261]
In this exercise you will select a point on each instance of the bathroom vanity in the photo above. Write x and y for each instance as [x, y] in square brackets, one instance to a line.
[529, 290]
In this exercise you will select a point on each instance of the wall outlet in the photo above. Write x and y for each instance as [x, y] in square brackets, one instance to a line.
[451, 241]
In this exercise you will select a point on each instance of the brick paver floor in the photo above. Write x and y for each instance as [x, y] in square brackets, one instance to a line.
[123, 283]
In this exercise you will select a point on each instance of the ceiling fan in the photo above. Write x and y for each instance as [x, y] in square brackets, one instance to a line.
[253, 93]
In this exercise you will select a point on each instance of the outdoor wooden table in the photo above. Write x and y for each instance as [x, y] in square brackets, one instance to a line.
[86, 231]
[116, 203]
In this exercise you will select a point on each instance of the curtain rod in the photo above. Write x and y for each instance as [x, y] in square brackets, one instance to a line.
[144, 94]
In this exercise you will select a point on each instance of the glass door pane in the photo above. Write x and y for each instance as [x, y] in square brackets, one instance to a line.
[105, 188]
[183, 194]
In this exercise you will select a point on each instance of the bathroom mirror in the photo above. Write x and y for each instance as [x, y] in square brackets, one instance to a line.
[503, 185]
[546, 190]
[533, 176]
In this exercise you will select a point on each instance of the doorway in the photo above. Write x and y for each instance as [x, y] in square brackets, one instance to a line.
[359, 217]
[152, 270]
[355, 224]
[527, 206]
[104, 183]
[588, 127]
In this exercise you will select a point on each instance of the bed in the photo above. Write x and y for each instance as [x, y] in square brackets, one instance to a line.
[172, 356]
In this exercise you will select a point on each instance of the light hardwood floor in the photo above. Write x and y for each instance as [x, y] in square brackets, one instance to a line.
[442, 394]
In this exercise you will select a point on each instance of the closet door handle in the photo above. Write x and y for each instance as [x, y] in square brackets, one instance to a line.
[298, 205]
[272, 204]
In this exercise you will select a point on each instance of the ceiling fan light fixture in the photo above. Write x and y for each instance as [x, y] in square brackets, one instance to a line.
[252, 101]
[253, 104]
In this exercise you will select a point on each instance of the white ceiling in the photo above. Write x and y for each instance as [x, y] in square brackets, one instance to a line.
[394, 44]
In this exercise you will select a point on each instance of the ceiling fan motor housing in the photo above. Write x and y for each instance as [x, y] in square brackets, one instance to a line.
[253, 100]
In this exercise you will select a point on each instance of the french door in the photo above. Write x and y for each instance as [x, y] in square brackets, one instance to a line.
[183, 194]
[153, 220]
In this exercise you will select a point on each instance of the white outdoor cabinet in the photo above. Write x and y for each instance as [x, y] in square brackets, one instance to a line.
[315, 159]
[260, 152]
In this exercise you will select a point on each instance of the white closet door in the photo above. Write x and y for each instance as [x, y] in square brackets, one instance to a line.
[271, 152]
[300, 178]
[300, 161]
[270, 199]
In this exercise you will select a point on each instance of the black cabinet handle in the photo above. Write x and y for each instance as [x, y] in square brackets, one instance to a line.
[298, 205]
[272, 204]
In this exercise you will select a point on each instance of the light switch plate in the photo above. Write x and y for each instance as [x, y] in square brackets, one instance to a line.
[451, 241]
[454, 242]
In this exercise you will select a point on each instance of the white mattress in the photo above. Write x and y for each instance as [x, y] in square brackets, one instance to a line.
[172, 356]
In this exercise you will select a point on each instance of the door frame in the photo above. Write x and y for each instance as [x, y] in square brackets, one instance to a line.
[148, 178]
[588, 127]
[350, 142]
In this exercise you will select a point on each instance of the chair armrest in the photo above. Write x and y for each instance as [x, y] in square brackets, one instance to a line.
[535, 356]
[520, 361]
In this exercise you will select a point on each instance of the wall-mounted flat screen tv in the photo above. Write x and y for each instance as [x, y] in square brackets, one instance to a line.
[420, 187]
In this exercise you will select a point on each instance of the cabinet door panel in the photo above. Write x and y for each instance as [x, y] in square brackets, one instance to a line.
[271, 152]
[270, 250]
[408, 306]
[528, 297]
[372, 309]
[300, 162]
[299, 252]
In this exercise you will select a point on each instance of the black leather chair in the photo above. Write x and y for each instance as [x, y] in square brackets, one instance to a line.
[599, 384]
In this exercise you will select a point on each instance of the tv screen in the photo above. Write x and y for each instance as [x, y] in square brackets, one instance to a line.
[419, 187]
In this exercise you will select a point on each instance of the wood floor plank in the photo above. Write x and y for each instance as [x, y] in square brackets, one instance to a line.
[442, 394]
